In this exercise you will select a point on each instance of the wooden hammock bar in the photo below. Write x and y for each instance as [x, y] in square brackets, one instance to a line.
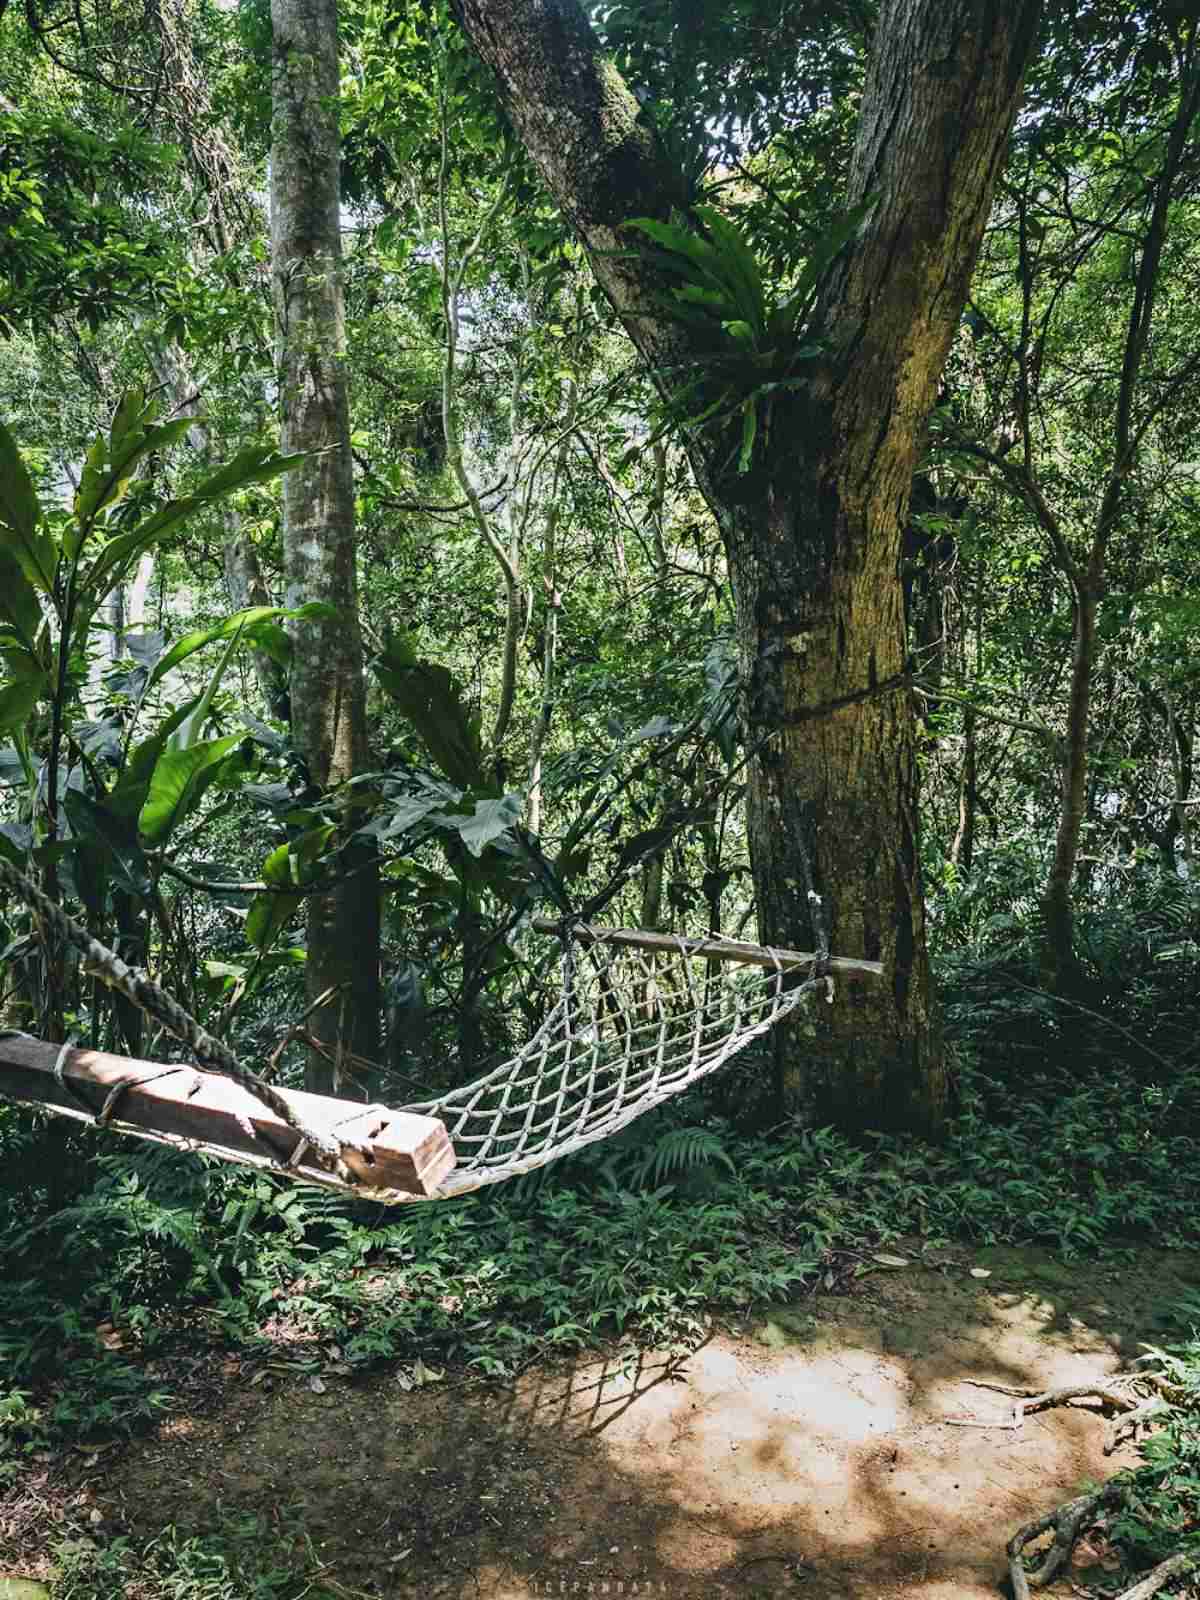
[754, 955]
[383, 1149]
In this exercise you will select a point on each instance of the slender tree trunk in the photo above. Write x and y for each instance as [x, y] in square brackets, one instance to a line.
[813, 529]
[1088, 578]
[1060, 965]
[962, 851]
[328, 702]
[246, 586]
[1180, 739]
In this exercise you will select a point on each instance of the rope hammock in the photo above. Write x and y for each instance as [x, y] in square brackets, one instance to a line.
[639, 1018]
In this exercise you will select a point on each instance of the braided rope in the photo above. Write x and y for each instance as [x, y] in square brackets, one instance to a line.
[144, 993]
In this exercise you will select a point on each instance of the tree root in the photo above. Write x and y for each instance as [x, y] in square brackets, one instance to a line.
[1071, 1518]
[1068, 1522]
[1173, 1567]
[1136, 1409]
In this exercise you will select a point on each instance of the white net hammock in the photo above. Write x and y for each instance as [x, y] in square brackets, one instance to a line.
[639, 1018]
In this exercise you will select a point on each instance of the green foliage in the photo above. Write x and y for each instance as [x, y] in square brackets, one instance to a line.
[751, 334]
[1161, 1512]
[431, 700]
[246, 1560]
[74, 237]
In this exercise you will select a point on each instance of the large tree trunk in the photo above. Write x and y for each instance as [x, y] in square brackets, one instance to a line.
[328, 704]
[813, 530]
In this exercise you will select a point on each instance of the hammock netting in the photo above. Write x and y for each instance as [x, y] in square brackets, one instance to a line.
[630, 1029]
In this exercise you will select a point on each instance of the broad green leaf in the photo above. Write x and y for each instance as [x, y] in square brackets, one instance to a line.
[697, 294]
[269, 914]
[21, 665]
[34, 552]
[131, 412]
[190, 729]
[18, 599]
[399, 816]
[116, 834]
[491, 818]
[256, 464]
[87, 497]
[229, 628]
[17, 701]
[111, 463]
[430, 698]
[308, 846]
[129, 795]
[18, 503]
[16, 841]
[178, 783]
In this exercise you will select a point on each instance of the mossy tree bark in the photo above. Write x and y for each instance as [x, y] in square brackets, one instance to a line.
[813, 530]
[328, 706]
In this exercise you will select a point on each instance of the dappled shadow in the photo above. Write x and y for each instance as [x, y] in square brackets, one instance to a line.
[846, 1446]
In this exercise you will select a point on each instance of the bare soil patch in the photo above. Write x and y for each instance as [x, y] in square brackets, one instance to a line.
[844, 1448]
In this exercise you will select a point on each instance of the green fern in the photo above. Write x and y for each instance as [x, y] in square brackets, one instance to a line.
[677, 1151]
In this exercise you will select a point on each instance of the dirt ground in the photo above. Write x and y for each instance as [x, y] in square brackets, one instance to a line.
[832, 1451]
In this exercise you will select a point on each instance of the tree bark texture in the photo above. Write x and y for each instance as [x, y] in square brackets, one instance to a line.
[328, 706]
[813, 530]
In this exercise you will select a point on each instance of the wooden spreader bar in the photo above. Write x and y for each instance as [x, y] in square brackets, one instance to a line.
[397, 1150]
[753, 955]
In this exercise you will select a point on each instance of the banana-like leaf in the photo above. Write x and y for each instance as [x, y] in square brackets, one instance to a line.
[17, 701]
[129, 795]
[256, 625]
[430, 698]
[16, 841]
[111, 465]
[269, 914]
[189, 730]
[178, 783]
[33, 551]
[19, 606]
[116, 834]
[256, 464]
